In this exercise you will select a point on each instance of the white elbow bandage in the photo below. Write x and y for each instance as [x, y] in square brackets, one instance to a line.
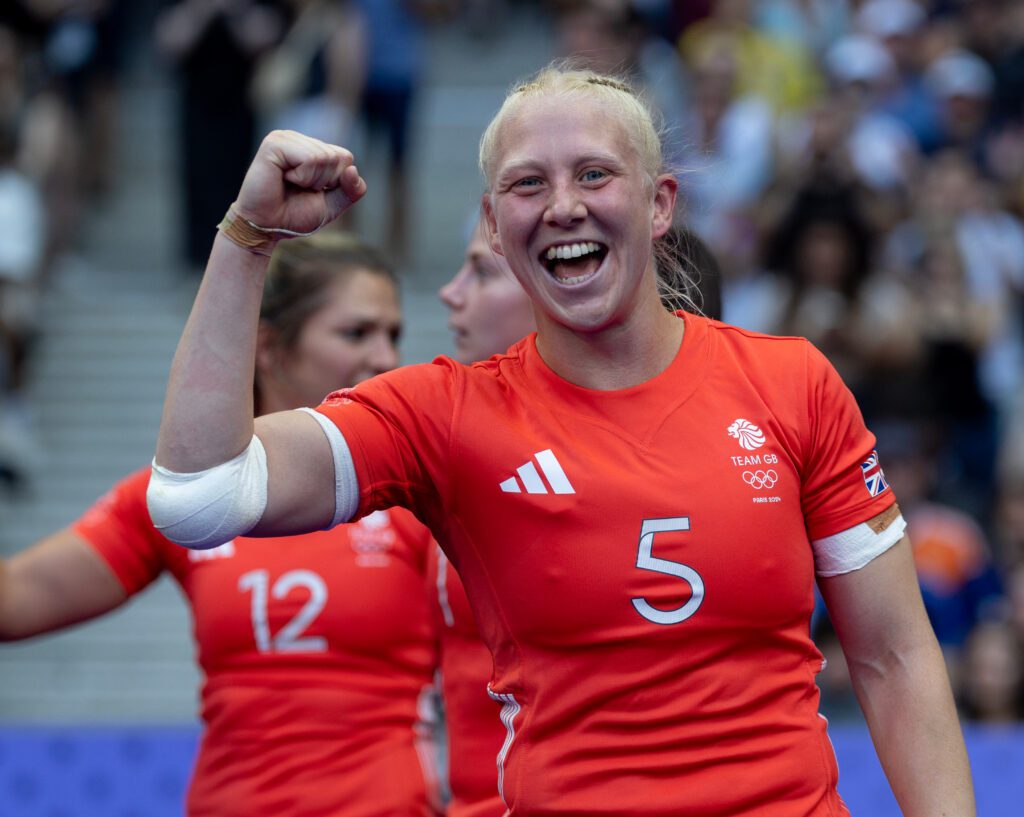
[208, 508]
[851, 549]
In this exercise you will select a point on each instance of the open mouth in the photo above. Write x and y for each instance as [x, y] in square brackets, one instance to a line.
[573, 263]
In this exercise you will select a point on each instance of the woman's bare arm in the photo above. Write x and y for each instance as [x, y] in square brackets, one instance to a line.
[900, 678]
[296, 184]
[57, 582]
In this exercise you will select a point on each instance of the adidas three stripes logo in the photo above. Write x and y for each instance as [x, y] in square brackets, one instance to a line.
[530, 478]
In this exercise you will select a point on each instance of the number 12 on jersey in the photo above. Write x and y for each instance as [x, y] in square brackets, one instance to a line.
[290, 638]
[646, 560]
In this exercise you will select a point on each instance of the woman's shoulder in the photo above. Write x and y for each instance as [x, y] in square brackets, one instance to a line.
[783, 360]
[763, 343]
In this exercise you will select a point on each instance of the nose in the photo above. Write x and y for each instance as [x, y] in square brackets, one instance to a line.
[383, 353]
[565, 205]
[453, 293]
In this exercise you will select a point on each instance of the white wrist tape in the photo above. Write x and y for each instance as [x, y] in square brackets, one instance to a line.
[851, 549]
[208, 508]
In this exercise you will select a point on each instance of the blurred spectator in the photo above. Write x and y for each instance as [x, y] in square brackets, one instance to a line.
[992, 675]
[812, 163]
[815, 24]
[821, 252]
[900, 26]
[312, 80]
[781, 72]
[727, 143]
[21, 255]
[922, 338]
[40, 132]
[963, 85]
[396, 53]
[922, 326]
[882, 150]
[957, 574]
[952, 200]
[214, 44]
[83, 53]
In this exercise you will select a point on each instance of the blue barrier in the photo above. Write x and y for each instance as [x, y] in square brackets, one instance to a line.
[94, 771]
[142, 771]
[997, 763]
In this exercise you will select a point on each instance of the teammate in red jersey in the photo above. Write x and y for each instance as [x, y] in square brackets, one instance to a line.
[317, 651]
[638, 501]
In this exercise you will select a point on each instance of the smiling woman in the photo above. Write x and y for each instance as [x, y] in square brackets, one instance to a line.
[563, 176]
[647, 614]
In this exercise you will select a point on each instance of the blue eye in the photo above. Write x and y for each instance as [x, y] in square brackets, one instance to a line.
[593, 175]
[532, 181]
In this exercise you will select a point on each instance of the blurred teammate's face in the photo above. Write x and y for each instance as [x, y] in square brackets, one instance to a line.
[574, 212]
[352, 337]
[488, 310]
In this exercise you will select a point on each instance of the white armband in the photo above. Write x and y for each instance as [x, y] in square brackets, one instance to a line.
[346, 483]
[208, 508]
[851, 549]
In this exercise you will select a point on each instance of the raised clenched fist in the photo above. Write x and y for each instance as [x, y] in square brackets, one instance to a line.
[298, 183]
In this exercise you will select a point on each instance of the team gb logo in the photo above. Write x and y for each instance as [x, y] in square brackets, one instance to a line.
[748, 435]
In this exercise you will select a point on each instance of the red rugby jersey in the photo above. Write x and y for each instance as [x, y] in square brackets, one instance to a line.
[475, 732]
[317, 652]
[639, 562]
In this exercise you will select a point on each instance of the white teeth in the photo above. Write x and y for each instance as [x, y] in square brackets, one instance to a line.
[564, 251]
[575, 279]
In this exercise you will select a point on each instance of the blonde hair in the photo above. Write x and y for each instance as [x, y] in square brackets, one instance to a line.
[563, 78]
[643, 125]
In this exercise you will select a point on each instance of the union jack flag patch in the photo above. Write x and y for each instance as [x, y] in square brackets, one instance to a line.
[874, 479]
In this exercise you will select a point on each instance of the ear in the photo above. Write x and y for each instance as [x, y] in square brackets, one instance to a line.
[489, 224]
[666, 187]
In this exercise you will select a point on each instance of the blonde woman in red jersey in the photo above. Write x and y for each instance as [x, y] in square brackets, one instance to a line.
[638, 501]
[317, 651]
[488, 312]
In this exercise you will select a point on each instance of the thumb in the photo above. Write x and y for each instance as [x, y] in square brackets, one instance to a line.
[351, 189]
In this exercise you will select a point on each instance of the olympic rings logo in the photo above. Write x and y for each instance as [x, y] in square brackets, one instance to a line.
[760, 479]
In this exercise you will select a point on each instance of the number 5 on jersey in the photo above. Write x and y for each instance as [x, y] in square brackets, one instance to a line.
[646, 560]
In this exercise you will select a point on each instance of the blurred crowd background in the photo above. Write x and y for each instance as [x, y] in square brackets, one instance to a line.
[856, 166]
